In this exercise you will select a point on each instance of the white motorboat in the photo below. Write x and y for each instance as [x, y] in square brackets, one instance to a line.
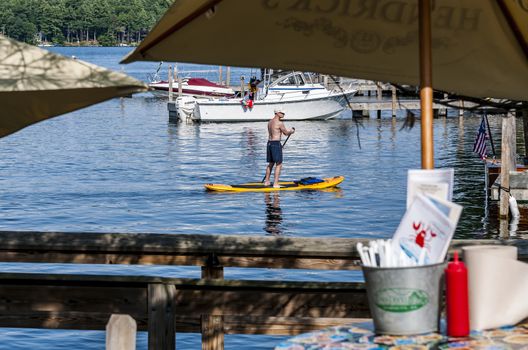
[296, 93]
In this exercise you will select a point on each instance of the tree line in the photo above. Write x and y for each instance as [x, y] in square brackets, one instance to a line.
[80, 22]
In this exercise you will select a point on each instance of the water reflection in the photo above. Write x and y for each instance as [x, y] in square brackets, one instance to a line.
[250, 142]
[338, 192]
[513, 227]
[461, 138]
[380, 140]
[500, 228]
[273, 224]
[393, 134]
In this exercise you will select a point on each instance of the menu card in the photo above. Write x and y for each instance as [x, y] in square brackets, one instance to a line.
[426, 229]
[434, 182]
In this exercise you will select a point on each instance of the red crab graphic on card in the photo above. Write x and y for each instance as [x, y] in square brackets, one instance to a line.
[423, 233]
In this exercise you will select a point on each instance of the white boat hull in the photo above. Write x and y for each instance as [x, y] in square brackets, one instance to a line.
[308, 108]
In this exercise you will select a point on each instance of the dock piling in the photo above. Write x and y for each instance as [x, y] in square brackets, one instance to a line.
[461, 110]
[393, 92]
[121, 333]
[180, 87]
[357, 114]
[378, 96]
[212, 332]
[171, 80]
[212, 325]
[524, 114]
[508, 162]
[161, 321]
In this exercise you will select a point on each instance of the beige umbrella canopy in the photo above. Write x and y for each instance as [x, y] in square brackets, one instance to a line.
[475, 48]
[479, 47]
[36, 84]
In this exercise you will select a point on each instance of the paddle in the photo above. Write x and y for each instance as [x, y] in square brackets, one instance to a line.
[287, 139]
[284, 144]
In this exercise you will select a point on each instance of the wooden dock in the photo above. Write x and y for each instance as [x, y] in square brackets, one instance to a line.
[373, 104]
[518, 181]
[207, 304]
[379, 96]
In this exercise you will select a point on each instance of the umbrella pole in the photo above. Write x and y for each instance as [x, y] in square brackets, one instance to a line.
[426, 84]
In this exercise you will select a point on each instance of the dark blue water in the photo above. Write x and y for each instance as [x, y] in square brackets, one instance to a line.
[121, 166]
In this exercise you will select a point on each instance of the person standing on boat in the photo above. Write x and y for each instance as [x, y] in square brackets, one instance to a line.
[276, 129]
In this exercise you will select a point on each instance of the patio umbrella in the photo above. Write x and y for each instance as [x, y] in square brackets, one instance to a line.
[36, 84]
[475, 48]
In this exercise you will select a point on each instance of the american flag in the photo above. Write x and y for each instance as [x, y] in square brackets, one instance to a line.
[480, 142]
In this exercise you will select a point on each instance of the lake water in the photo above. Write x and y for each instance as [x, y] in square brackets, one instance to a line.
[121, 166]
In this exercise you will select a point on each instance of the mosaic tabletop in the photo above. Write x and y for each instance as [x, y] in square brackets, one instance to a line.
[360, 336]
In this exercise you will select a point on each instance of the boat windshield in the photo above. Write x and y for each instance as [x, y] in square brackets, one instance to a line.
[287, 80]
[296, 79]
[300, 77]
[308, 78]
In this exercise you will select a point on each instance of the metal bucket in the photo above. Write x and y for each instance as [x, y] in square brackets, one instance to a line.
[405, 300]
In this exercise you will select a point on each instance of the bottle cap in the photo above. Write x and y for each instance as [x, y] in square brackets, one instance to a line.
[456, 264]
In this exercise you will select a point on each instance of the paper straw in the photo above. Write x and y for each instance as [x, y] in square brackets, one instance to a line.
[388, 254]
[359, 248]
[381, 252]
[421, 259]
[372, 256]
[367, 256]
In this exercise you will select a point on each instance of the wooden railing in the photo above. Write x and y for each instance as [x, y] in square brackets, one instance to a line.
[163, 306]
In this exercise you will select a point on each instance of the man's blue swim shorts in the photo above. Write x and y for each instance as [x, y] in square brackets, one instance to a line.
[274, 152]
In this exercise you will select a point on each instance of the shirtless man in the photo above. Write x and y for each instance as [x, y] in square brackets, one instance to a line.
[276, 129]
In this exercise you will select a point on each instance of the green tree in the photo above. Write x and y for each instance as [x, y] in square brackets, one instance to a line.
[22, 30]
[6, 15]
[107, 40]
[102, 21]
[80, 20]
[50, 17]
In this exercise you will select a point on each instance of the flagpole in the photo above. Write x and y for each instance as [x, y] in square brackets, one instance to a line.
[426, 83]
[489, 133]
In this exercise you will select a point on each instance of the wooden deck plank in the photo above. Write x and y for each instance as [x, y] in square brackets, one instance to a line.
[233, 324]
[77, 302]
[181, 249]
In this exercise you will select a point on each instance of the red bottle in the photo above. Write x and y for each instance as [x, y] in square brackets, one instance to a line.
[457, 298]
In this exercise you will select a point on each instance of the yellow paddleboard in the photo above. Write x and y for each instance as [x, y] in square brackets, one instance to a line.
[284, 186]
